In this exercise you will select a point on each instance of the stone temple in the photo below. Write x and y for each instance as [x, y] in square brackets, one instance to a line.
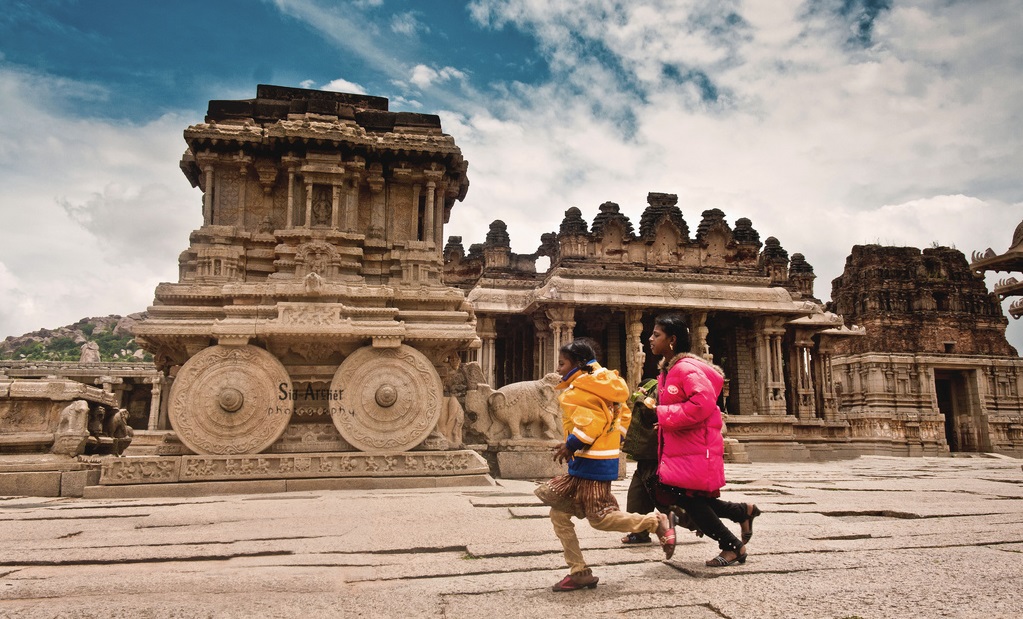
[323, 334]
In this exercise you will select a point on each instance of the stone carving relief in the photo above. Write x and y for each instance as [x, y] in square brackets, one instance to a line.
[527, 409]
[115, 425]
[288, 466]
[228, 400]
[316, 257]
[390, 398]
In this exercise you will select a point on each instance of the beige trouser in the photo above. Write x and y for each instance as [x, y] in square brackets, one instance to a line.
[624, 522]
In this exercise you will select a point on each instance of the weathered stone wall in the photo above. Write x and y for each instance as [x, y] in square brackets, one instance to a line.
[917, 302]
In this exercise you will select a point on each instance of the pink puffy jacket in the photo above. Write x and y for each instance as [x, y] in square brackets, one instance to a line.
[689, 425]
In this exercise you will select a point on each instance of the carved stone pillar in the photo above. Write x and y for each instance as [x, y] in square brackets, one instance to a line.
[154, 403]
[562, 319]
[308, 205]
[802, 380]
[486, 328]
[770, 363]
[417, 193]
[335, 207]
[635, 356]
[290, 222]
[700, 332]
[546, 361]
[378, 220]
[207, 196]
[777, 385]
[825, 382]
[352, 205]
[431, 192]
[438, 219]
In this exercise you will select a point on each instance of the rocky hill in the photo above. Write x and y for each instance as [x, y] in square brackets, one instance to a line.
[112, 335]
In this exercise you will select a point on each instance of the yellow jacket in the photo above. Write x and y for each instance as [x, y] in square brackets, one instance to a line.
[595, 419]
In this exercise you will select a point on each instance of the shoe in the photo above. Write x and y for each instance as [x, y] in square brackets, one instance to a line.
[666, 533]
[721, 561]
[637, 538]
[752, 512]
[580, 580]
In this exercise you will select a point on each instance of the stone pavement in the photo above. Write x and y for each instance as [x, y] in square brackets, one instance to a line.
[871, 537]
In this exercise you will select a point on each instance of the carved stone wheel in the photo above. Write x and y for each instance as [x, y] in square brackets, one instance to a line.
[227, 400]
[390, 398]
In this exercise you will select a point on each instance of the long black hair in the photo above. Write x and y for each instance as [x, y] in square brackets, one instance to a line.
[675, 325]
[580, 352]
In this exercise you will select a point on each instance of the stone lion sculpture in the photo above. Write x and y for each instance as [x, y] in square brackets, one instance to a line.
[506, 412]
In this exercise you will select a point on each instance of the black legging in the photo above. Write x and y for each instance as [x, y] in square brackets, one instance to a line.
[706, 512]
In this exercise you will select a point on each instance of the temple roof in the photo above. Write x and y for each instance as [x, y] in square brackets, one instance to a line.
[1010, 261]
[587, 287]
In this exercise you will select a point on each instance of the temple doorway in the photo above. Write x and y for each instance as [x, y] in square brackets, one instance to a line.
[952, 390]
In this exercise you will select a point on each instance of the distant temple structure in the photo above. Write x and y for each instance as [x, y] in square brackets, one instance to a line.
[321, 333]
[934, 362]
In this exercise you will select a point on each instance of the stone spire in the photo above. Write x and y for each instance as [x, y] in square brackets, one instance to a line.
[609, 212]
[660, 206]
[775, 260]
[712, 218]
[573, 223]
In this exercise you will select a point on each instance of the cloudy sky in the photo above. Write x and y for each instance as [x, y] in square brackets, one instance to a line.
[828, 123]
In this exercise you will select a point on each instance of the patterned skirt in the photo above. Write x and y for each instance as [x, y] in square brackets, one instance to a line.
[583, 498]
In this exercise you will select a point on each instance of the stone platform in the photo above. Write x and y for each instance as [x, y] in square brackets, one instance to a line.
[46, 475]
[194, 475]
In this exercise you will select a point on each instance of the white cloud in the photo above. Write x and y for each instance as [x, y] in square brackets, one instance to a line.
[426, 77]
[342, 85]
[407, 24]
[95, 211]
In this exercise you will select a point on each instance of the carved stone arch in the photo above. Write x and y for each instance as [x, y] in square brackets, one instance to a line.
[717, 246]
[316, 257]
[667, 238]
[614, 238]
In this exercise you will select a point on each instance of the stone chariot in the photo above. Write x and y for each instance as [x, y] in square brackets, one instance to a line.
[310, 316]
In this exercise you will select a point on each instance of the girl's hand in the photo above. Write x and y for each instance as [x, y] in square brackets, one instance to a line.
[562, 454]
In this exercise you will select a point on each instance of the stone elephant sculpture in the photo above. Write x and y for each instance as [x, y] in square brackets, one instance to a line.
[506, 412]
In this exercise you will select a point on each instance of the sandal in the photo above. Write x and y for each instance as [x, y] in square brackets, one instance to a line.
[721, 561]
[666, 533]
[637, 538]
[580, 580]
[752, 511]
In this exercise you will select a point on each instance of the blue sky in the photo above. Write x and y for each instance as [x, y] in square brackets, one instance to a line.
[828, 123]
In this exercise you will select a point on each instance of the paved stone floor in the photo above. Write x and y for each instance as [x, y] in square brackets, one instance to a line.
[871, 537]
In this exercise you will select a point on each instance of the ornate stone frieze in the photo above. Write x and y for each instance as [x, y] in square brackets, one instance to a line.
[149, 470]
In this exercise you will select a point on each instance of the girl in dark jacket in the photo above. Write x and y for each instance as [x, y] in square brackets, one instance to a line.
[691, 470]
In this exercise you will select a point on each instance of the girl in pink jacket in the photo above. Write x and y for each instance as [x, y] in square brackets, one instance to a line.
[691, 469]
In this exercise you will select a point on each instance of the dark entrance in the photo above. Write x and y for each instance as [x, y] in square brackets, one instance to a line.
[951, 389]
[514, 357]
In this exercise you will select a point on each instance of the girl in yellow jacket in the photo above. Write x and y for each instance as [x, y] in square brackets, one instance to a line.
[595, 419]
